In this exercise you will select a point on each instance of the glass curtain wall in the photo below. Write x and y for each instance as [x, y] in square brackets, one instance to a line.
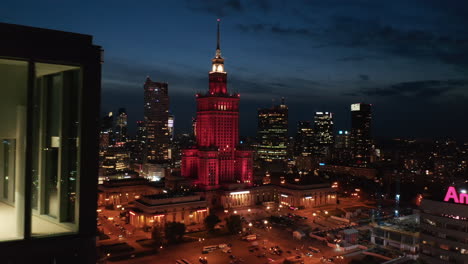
[55, 125]
[55, 147]
[13, 103]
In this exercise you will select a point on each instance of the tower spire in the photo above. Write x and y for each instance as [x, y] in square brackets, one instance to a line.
[218, 61]
[217, 44]
[218, 49]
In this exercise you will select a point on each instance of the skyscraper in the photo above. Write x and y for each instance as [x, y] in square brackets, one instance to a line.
[106, 136]
[216, 159]
[323, 128]
[342, 150]
[121, 126]
[156, 111]
[272, 133]
[361, 133]
[304, 139]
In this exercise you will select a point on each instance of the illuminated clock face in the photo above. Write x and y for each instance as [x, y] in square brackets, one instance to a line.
[220, 68]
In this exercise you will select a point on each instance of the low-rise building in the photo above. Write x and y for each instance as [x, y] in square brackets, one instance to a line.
[444, 232]
[400, 233]
[158, 209]
[291, 195]
[124, 191]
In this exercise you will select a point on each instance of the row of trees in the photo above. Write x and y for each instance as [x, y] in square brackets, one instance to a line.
[173, 232]
[233, 223]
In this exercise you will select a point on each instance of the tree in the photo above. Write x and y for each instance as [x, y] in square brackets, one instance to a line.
[157, 236]
[211, 221]
[234, 224]
[174, 231]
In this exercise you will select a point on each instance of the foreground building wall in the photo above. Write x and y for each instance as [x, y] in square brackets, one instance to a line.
[49, 108]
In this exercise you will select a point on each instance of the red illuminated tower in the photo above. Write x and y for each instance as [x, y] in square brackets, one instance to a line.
[216, 159]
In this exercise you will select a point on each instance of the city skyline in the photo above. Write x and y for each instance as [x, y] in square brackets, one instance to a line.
[320, 58]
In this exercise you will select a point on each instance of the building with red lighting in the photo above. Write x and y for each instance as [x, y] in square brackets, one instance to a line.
[216, 159]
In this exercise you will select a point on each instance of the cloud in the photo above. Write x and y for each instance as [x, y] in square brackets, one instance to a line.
[359, 58]
[276, 29]
[220, 8]
[382, 37]
[127, 76]
[422, 90]
[364, 77]
[372, 35]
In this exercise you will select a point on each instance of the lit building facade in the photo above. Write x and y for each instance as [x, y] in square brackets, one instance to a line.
[288, 195]
[323, 129]
[156, 111]
[121, 126]
[49, 107]
[119, 193]
[159, 209]
[444, 228]
[361, 117]
[342, 149]
[304, 145]
[272, 134]
[216, 158]
[106, 137]
[113, 160]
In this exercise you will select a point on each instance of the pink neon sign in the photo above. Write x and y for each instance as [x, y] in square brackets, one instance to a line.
[452, 194]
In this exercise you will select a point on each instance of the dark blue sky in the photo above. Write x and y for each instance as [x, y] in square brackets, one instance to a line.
[408, 58]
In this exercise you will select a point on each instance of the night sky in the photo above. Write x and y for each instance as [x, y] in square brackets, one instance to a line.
[408, 58]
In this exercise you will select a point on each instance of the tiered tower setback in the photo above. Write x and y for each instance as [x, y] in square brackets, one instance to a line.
[216, 160]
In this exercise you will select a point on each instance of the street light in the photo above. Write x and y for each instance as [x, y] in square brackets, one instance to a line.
[235, 212]
[250, 224]
[326, 212]
[265, 222]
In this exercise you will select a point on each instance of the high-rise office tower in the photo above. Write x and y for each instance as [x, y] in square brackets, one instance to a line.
[304, 139]
[156, 111]
[106, 136]
[141, 132]
[107, 122]
[216, 159]
[323, 129]
[170, 126]
[361, 136]
[272, 133]
[121, 126]
[343, 140]
[342, 150]
[138, 150]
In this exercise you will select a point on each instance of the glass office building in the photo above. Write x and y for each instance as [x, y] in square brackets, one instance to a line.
[49, 107]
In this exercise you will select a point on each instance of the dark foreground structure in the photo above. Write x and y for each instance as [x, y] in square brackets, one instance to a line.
[49, 108]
